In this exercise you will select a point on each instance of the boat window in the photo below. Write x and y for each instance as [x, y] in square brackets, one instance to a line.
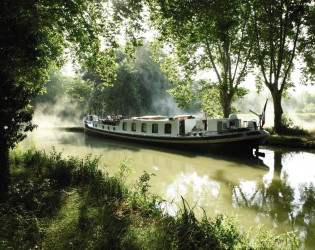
[133, 126]
[155, 127]
[168, 128]
[124, 125]
[219, 127]
[144, 127]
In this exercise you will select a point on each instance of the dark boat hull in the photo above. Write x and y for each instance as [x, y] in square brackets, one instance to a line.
[234, 143]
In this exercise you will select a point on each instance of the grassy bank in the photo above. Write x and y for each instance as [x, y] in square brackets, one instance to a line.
[304, 142]
[58, 203]
[294, 137]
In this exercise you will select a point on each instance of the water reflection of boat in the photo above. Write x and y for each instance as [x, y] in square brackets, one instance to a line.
[111, 144]
[226, 135]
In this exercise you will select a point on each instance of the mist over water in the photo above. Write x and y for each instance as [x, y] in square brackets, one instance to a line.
[256, 103]
[62, 113]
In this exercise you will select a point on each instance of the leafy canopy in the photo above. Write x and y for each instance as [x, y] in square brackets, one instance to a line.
[205, 36]
[283, 33]
[34, 35]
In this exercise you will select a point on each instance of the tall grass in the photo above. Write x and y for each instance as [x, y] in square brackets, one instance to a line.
[58, 203]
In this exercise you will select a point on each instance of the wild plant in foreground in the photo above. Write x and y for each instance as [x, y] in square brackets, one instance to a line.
[69, 203]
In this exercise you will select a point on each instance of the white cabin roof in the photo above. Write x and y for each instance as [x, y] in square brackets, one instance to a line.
[151, 117]
[179, 117]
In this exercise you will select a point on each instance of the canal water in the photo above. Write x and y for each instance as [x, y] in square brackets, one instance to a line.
[276, 191]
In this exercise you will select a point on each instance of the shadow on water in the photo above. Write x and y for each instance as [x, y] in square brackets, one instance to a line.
[112, 144]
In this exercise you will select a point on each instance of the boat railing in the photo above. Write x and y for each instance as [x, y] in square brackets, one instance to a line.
[114, 122]
[210, 132]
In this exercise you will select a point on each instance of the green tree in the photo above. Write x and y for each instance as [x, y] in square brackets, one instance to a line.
[123, 97]
[56, 86]
[80, 92]
[139, 84]
[279, 32]
[33, 36]
[153, 82]
[208, 36]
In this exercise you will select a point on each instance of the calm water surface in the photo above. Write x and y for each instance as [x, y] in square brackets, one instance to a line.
[274, 191]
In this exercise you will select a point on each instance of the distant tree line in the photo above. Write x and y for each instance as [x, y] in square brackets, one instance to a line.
[302, 103]
[140, 88]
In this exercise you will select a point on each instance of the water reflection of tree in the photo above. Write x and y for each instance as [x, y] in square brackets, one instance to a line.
[281, 202]
[305, 218]
[273, 200]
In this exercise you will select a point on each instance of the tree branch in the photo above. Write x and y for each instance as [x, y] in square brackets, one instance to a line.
[261, 62]
[282, 40]
[212, 61]
[238, 81]
[239, 50]
[292, 55]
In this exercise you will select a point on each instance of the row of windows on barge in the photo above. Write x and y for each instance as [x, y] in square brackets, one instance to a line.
[155, 126]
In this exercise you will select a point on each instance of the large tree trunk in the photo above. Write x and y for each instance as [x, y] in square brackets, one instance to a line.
[278, 161]
[226, 99]
[227, 108]
[277, 96]
[4, 170]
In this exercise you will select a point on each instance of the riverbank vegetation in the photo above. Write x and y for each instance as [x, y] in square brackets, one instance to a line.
[292, 136]
[62, 203]
[291, 141]
[225, 39]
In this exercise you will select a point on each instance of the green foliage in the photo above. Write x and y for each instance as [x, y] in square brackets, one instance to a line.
[143, 182]
[290, 129]
[286, 121]
[124, 169]
[221, 233]
[205, 37]
[34, 35]
[218, 233]
[278, 38]
[33, 38]
[304, 103]
[263, 239]
[80, 92]
[40, 194]
[139, 84]
[69, 203]
[55, 88]
[306, 47]
[123, 97]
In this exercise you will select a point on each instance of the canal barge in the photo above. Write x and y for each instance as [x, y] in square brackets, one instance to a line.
[225, 135]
